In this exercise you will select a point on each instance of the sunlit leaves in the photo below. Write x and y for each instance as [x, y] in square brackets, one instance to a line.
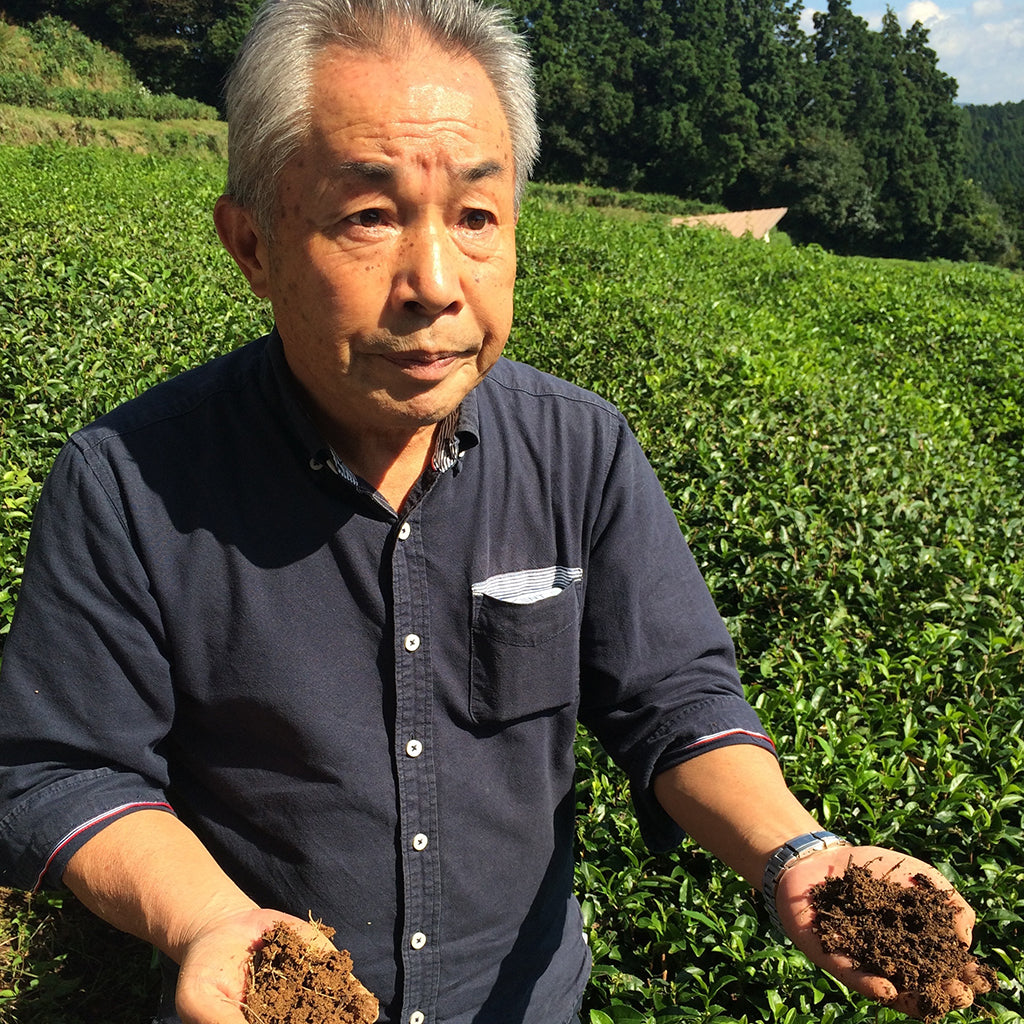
[841, 441]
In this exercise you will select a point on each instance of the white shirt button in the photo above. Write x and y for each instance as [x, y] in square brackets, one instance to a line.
[417, 940]
[403, 534]
[414, 748]
[419, 841]
[416, 1017]
[412, 642]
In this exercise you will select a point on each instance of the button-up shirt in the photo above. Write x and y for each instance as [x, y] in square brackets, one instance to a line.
[366, 715]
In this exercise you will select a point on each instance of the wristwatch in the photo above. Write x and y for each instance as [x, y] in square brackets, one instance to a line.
[782, 859]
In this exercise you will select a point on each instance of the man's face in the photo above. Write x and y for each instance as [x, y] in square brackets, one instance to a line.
[392, 262]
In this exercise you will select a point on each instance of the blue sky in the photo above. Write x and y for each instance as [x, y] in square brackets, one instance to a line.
[979, 42]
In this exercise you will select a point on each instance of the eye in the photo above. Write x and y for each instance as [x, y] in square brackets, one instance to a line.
[367, 218]
[477, 220]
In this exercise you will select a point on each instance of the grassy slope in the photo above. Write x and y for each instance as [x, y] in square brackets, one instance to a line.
[69, 59]
[840, 438]
[60, 62]
[194, 138]
[32, 126]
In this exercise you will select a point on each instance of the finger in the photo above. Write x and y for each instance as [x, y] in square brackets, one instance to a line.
[964, 918]
[909, 1004]
[960, 995]
[953, 995]
[871, 986]
[979, 977]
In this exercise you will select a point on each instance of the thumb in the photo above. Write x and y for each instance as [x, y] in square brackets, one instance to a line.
[215, 966]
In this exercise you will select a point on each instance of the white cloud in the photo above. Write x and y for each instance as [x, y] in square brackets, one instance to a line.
[982, 47]
[924, 11]
[980, 43]
[986, 8]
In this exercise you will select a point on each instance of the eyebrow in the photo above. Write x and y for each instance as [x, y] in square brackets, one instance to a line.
[380, 173]
[365, 169]
[487, 169]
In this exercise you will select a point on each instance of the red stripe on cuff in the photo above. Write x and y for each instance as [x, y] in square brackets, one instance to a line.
[714, 737]
[86, 825]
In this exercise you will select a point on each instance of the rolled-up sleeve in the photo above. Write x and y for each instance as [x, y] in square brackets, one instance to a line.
[84, 685]
[659, 683]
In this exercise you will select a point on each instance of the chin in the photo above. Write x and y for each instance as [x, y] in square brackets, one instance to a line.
[427, 409]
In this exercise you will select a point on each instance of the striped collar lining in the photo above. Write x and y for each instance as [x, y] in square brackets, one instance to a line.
[447, 450]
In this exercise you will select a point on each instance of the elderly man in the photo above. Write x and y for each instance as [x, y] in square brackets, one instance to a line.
[309, 629]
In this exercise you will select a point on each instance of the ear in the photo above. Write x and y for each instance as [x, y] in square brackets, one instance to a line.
[243, 239]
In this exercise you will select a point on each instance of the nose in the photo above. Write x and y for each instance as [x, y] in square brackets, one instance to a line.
[427, 279]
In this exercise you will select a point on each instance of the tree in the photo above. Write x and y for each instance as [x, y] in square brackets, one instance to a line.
[639, 93]
[777, 75]
[584, 90]
[975, 229]
[994, 146]
[179, 46]
[823, 181]
[887, 96]
[920, 144]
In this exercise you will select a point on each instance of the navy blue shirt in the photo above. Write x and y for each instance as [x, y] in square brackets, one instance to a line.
[366, 716]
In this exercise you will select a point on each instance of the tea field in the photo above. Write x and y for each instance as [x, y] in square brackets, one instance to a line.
[842, 442]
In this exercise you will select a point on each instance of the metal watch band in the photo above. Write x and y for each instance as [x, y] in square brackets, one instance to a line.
[783, 857]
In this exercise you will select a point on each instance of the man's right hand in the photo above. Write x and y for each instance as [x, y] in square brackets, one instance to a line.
[148, 874]
[213, 977]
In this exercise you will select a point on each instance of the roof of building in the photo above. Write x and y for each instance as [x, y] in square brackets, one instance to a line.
[754, 222]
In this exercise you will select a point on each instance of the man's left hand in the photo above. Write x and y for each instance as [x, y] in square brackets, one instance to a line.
[793, 901]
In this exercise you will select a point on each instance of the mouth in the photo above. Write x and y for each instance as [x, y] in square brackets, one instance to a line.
[425, 366]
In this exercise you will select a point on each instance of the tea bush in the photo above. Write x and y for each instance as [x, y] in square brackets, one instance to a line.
[841, 440]
[50, 64]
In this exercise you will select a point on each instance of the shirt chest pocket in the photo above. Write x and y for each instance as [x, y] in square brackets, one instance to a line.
[525, 644]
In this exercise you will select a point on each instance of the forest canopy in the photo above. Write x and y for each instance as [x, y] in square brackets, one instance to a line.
[730, 102]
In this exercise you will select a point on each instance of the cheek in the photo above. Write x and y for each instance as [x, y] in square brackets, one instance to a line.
[318, 279]
[496, 319]
[495, 286]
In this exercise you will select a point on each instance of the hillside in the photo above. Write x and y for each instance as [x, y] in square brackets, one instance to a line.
[51, 54]
[51, 64]
[33, 126]
[994, 144]
[841, 440]
[994, 147]
[56, 84]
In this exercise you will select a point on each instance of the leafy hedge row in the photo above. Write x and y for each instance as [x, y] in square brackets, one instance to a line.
[22, 89]
[51, 65]
[841, 440]
[610, 198]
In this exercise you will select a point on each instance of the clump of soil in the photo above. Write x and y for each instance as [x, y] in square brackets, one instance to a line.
[292, 982]
[903, 933]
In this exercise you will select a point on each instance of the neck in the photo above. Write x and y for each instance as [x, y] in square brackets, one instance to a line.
[392, 463]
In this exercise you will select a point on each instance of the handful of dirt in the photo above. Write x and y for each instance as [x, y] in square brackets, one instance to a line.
[903, 933]
[292, 982]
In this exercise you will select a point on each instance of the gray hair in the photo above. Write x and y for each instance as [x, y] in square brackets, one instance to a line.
[268, 91]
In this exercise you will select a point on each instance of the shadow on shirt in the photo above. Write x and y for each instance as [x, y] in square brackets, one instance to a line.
[541, 935]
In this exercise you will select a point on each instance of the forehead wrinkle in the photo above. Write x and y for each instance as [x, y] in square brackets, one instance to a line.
[379, 172]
